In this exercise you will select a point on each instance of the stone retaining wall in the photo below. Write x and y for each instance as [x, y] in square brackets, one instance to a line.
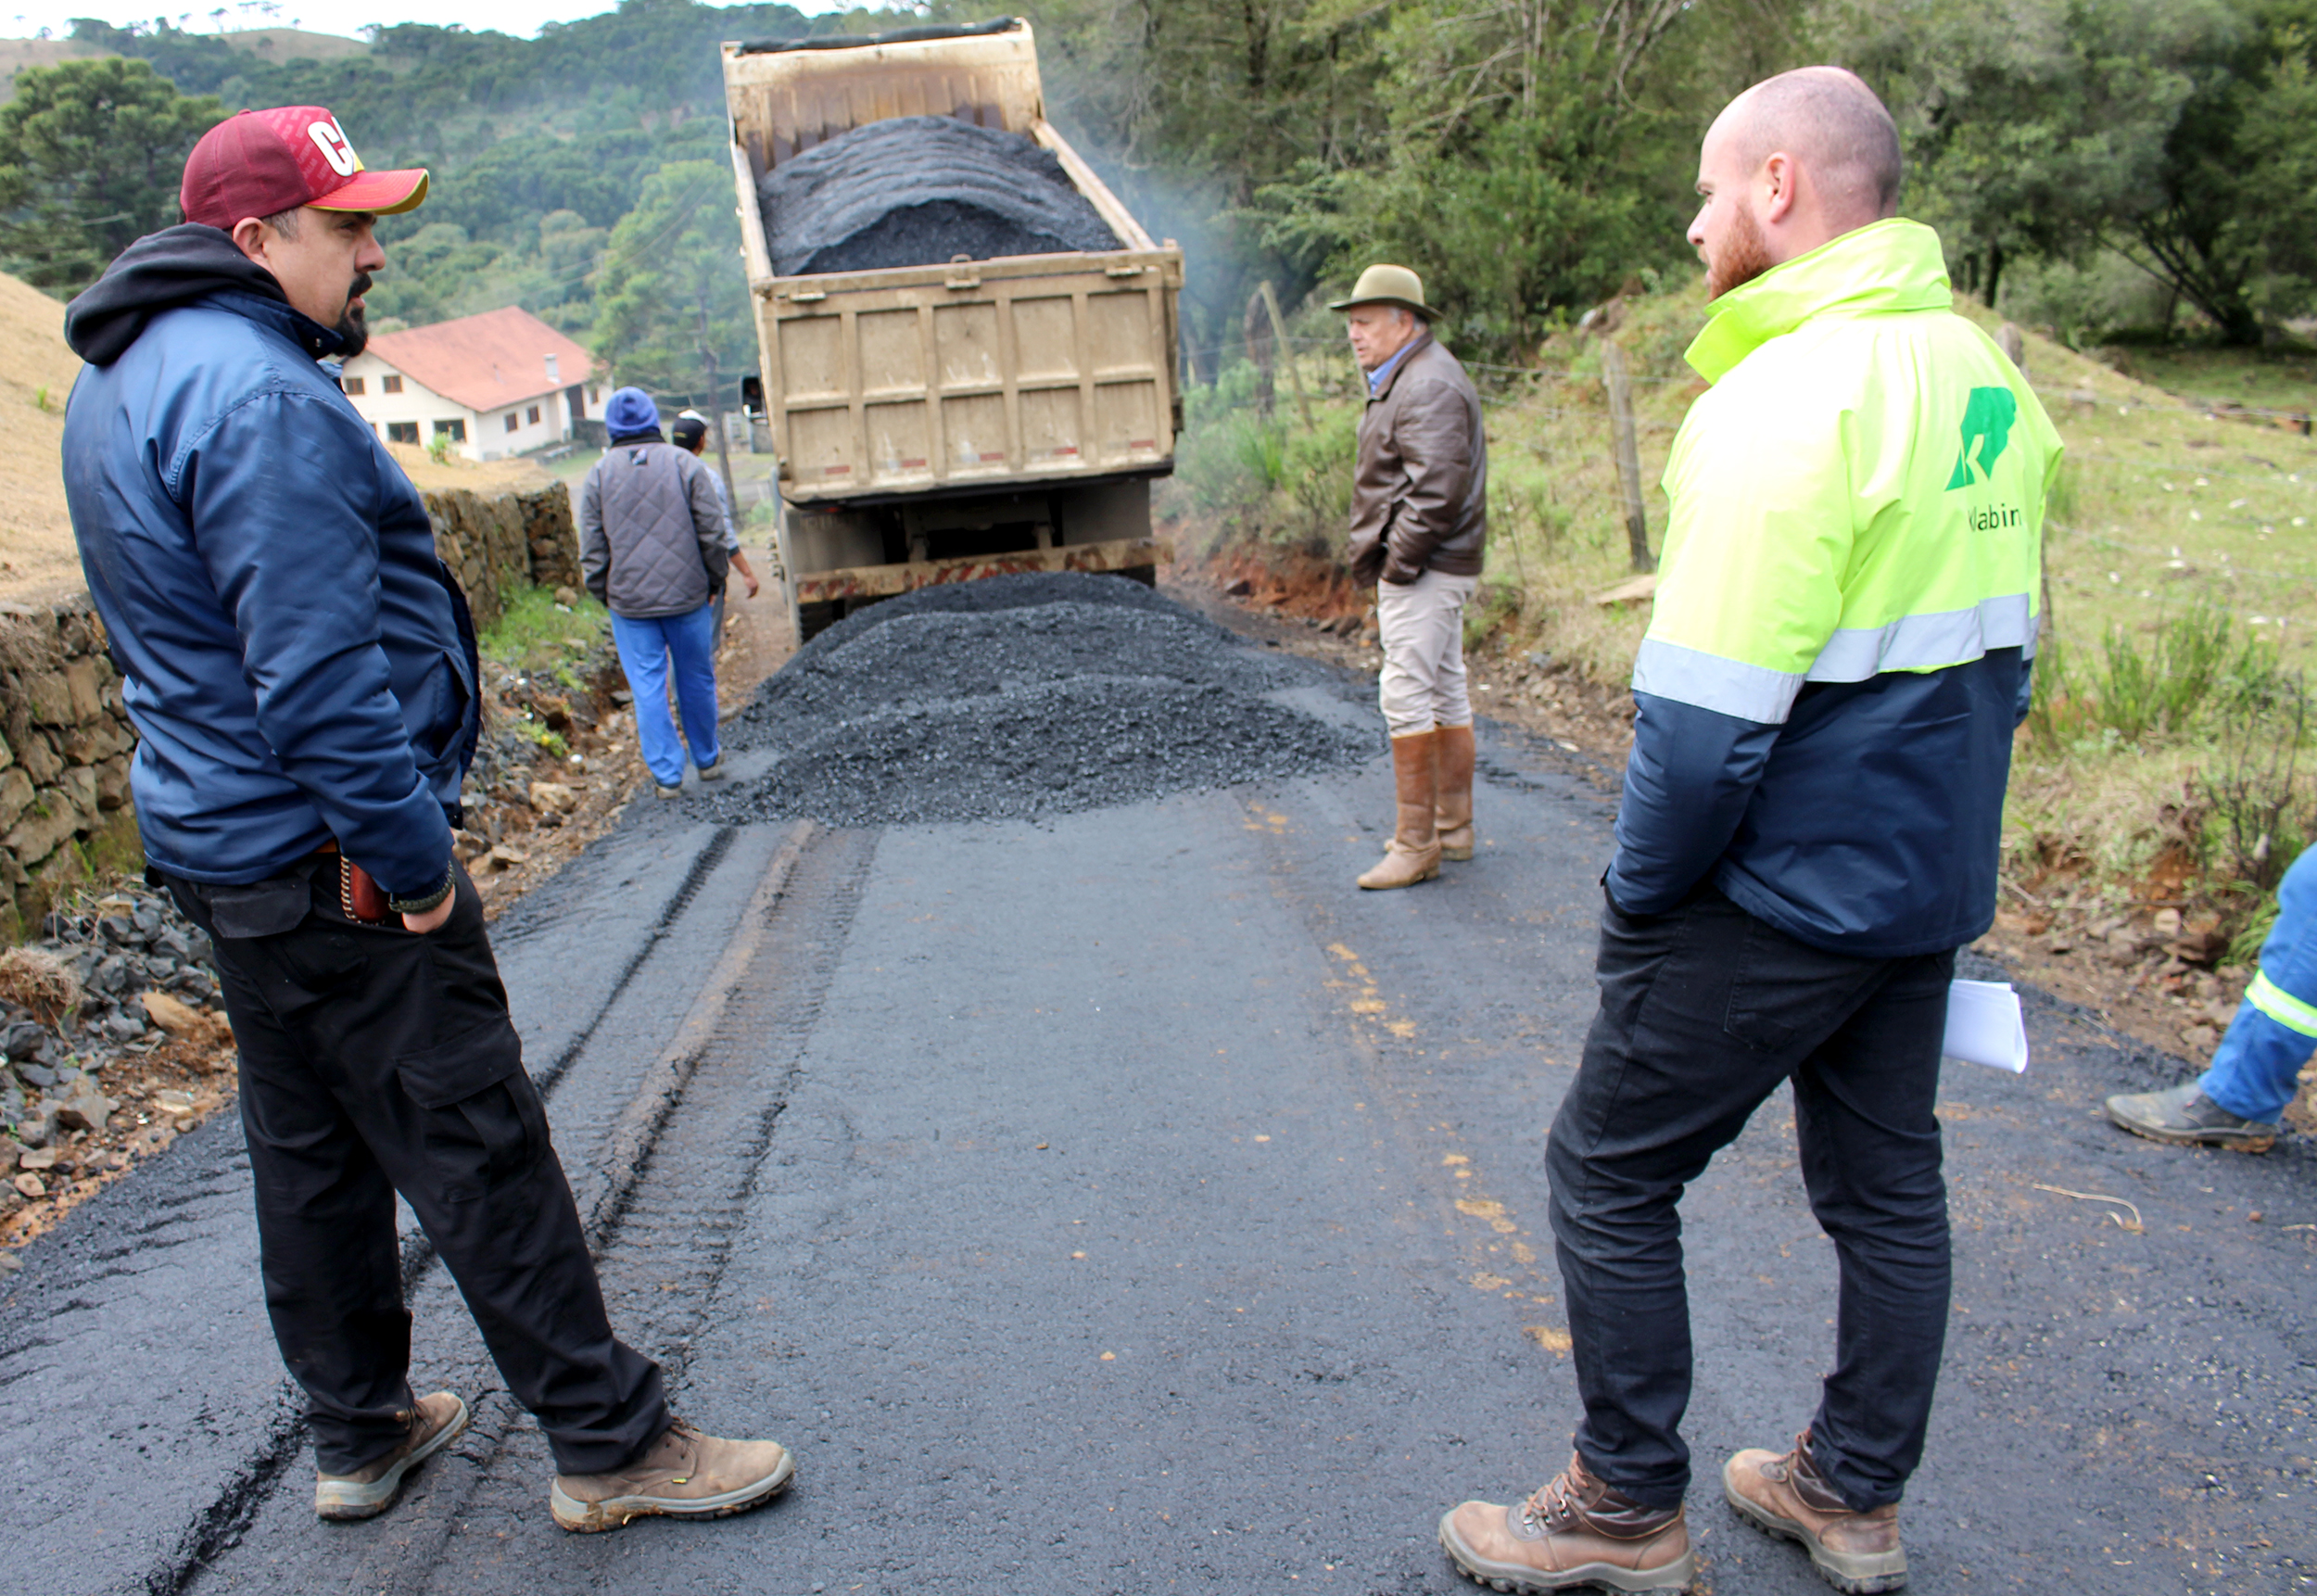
[65, 740]
[493, 545]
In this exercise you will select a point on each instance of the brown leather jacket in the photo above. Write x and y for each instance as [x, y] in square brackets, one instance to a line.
[1420, 496]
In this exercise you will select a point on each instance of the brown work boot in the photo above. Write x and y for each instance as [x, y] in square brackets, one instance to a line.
[1574, 1531]
[434, 1422]
[1853, 1552]
[1454, 806]
[683, 1474]
[1414, 852]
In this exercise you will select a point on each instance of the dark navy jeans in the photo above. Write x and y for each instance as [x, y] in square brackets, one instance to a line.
[1704, 1012]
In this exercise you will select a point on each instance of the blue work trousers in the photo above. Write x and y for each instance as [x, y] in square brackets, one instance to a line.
[647, 650]
[2256, 1070]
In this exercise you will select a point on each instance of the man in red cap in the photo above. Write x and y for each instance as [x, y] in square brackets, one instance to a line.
[302, 673]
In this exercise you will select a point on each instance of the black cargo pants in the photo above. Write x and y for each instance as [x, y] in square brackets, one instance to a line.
[1704, 1011]
[373, 1062]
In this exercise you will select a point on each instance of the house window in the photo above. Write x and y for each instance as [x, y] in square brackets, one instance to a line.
[401, 432]
[531, 416]
[594, 397]
[453, 430]
[390, 384]
[512, 422]
[352, 385]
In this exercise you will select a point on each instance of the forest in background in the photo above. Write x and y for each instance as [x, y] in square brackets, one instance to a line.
[2096, 165]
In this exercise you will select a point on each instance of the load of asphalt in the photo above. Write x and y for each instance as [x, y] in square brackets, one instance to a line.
[922, 191]
[1020, 696]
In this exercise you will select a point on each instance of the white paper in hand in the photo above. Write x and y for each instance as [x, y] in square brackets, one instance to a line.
[1985, 1025]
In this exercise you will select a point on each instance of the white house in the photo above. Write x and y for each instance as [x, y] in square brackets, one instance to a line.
[497, 384]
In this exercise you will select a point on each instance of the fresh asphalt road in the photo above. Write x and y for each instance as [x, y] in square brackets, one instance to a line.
[1124, 1203]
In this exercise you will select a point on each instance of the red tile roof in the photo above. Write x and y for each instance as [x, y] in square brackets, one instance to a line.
[486, 362]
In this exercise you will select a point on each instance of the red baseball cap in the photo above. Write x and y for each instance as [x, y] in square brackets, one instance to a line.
[261, 163]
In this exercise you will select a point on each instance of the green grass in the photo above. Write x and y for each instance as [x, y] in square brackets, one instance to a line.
[538, 637]
[2280, 379]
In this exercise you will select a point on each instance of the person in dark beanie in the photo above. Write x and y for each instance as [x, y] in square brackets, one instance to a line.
[302, 673]
[652, 529]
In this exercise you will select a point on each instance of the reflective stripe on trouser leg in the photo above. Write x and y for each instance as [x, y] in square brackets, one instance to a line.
[2282, 1006]
[2257, 1068]
[1421, 627]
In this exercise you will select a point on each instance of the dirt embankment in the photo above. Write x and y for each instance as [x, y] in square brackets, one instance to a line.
[38, 562]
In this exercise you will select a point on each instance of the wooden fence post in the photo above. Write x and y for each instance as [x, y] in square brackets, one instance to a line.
[1637, 526]
[1287, 355]
[1262, 348]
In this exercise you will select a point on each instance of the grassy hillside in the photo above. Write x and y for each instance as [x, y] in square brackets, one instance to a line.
[38, 560]
[2182, 568]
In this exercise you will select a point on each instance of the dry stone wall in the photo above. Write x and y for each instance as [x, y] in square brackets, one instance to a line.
[66, 741]
[497, 544]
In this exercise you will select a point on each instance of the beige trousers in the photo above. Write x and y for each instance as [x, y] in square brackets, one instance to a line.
[1421, 626]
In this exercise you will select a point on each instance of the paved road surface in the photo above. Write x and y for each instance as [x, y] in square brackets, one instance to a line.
[1124, 1204]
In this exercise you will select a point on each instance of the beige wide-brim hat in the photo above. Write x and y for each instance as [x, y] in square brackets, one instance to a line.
[1388, 285]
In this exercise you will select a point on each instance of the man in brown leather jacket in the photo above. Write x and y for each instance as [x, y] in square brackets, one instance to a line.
[1419, 516]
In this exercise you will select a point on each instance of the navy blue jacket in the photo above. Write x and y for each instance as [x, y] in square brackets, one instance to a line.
[1870, 823]
[298, 665]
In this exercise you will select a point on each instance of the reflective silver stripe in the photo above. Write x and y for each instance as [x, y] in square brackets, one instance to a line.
[1926, 642]
[1688, 676]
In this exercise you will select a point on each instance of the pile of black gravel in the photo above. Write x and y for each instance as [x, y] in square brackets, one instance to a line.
[920, 191]
[1020, 696]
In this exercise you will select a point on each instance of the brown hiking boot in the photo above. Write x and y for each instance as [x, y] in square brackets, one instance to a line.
[434, 1422]
[1414, 852]
[1574, 1531]
[1853, 1552]
[683, 1474]
[1453, 808]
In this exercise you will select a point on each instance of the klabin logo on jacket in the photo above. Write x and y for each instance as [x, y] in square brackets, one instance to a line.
[1987, 419]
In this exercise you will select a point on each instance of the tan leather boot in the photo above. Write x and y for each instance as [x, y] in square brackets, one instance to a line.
[682, 1475]
[1853, 1552]
[433, 1422]
[1453, 808]
[1414, 852]
[1574, 1531]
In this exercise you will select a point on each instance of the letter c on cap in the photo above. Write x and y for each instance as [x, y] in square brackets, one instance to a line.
[333, 147]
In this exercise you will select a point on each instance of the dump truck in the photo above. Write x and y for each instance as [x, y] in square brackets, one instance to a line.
[959, 419]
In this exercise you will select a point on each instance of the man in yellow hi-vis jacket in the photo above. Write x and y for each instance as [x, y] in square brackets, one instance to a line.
[1826, 697]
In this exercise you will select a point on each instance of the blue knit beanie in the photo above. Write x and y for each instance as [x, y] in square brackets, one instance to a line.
[630, 411]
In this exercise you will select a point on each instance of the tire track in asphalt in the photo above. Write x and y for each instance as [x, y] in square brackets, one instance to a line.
[224, 1520]
[658, 1201]
[665, 1258]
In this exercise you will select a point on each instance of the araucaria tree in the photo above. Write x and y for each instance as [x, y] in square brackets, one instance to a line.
[91, 155]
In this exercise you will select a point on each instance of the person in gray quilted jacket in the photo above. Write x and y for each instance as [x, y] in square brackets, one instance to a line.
[651, 548]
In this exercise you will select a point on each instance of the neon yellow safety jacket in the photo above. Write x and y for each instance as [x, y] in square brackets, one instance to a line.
[1846, 611]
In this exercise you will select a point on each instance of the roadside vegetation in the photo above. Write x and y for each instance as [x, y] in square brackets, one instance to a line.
[2166, 776]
